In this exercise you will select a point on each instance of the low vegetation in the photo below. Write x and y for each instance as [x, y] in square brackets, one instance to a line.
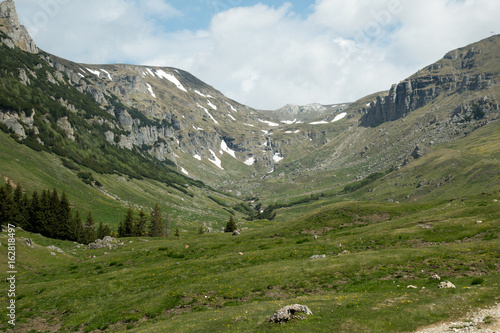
[219, 282]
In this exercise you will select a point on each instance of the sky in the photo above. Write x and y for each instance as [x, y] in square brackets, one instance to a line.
[267, 53]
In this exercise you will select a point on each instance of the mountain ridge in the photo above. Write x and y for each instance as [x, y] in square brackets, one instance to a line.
[169, 117]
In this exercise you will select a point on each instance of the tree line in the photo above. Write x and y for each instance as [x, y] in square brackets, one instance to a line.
[51, 215]
[48, 214]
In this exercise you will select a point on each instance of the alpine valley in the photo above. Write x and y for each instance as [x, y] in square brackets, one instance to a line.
[392, 188]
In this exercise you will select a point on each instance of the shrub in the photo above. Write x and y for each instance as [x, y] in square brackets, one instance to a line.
[476, 281]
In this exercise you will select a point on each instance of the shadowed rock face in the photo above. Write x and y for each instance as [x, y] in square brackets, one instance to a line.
[10, 25]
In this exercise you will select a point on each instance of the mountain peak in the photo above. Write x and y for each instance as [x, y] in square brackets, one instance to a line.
[10, 25]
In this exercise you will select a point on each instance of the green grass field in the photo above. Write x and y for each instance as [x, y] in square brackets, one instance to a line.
[373, 252]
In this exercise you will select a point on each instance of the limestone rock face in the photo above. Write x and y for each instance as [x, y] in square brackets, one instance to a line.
[10, 25]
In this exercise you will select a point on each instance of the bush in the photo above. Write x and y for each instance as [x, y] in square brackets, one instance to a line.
[476, 281]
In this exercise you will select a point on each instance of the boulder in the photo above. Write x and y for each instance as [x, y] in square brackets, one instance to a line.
[446, 285]
[289, 312]
[106, 242]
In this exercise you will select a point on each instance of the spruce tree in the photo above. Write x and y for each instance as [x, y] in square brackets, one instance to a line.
[89, 229]
[128, 224]
[140, 225]
[6, 204]
[100, 231]
[19, 207]
[65, 218]
[33, 213]
[231, 225]
[121, 230]
[78, 231]
[156, 225]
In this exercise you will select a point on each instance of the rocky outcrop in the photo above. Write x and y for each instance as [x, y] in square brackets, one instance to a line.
[424, 87]
[107, 242]
[10, 25]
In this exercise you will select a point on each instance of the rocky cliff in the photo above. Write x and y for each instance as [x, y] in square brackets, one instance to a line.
[10, 26]
[462, 70]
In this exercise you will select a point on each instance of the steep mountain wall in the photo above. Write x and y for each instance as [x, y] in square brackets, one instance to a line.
[466, 69]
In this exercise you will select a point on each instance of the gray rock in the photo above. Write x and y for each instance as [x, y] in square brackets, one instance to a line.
[289, 312]
[17, 32]
[106, 242]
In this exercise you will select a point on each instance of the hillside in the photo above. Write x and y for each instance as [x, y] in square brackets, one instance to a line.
[350, 209]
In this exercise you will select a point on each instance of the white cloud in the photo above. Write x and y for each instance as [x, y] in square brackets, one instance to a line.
[267, 56]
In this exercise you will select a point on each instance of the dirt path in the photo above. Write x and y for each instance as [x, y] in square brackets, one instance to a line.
[482, 321]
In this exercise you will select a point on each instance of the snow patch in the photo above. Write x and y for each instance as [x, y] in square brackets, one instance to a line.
[184, 171]
[277, 158]
[107, 73]
[232, 107]
[230, 116]
[202, 95]
[81, 74]
[151, 90]
[339, 117]
[162, 75]
[248, 125]
[270, 123]
[265, 132]
[225, 148]
[250, 161]
[150, 71]
[198, 157]
[208, 113]
[318, 122]
[94, 72]
[197, 128]
[215, 160]
[211, 105]
[289, 122]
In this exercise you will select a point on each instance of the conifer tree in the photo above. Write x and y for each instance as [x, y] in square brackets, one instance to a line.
[128, 224]
[100, 231]
[156, 226]
[79, 234]
[177, 233]
[89, 229]
[6, 204]
[65, 219]
[140, 225]
[121, 230]
[231, 225]
[19, 207]
[33, 213]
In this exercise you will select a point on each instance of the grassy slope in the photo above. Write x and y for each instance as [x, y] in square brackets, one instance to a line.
[40, 170]
[160, 285]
